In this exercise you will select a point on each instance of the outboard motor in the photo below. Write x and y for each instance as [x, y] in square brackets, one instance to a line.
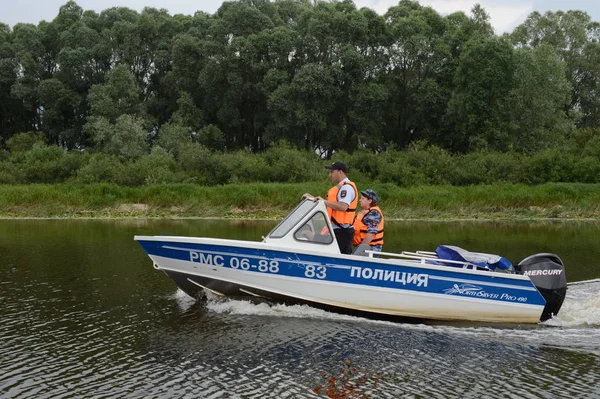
[547, 272]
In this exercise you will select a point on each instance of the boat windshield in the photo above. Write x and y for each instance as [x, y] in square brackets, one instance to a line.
[293, 219]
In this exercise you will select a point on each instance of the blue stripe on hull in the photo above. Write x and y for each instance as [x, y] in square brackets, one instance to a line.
[492, 286]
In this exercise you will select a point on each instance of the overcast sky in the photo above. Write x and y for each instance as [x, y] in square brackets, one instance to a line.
[505, 14]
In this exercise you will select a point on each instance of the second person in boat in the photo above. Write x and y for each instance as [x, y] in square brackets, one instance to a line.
[368, 226]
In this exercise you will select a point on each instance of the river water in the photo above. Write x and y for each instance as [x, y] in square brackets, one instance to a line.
[84, 315]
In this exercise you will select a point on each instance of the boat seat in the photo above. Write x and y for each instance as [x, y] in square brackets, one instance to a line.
[481, 260]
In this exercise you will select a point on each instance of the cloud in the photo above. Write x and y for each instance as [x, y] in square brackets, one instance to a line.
[174, 6]
[504, 15]
[33, 11]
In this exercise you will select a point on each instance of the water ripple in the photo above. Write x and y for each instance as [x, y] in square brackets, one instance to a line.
[72, 340]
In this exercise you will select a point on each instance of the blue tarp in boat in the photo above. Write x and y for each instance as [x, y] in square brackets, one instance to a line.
[488, 261]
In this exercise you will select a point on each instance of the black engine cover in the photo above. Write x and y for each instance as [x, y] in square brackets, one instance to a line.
[547, 272]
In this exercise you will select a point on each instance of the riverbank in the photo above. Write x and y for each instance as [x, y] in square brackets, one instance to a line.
[275, 200]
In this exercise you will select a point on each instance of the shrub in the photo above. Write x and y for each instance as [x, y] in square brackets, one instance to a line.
[11, 173]
[172, 137]
[487, 168]
[288, 165]
[397, 170]
[126, 138]
[364, 164]
[580, 139]
[50, 164]
[100, 168]
[549, 166]
[22, 142]
[586, 170]
[432, 164]
[247, 168]
[592, 147]
[212, 137]
[192, 159]
[158, 168]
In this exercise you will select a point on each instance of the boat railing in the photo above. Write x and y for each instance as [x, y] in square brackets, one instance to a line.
[429, 258]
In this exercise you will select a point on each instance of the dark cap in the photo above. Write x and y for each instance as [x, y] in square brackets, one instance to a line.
[370, 194]
[338, 165]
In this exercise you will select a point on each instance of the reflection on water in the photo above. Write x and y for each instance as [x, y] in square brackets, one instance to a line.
[84, 314]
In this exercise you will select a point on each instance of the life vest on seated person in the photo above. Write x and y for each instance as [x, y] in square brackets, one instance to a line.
[342, 217]
[360, 229]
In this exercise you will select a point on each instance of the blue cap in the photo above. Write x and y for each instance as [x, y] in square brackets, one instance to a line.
[370, 194]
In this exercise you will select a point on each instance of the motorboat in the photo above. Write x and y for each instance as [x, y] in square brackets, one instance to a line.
[299, 262]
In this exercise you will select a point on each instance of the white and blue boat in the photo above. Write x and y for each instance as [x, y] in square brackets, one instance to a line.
[299, 262]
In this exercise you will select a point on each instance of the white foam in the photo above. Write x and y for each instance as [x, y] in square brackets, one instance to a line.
[234, 306]
[581, 307]
[183, 300]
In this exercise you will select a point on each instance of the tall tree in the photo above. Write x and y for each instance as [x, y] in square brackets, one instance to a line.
[116, 110]
[29, 53]
[60, 106]
[478, 108]
[119, 95]
[574, 36]
[303, 108]
[417, 54]
[537, 102]
[13, 115]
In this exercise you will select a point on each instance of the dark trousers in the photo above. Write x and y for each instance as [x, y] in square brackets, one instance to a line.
[344, 239]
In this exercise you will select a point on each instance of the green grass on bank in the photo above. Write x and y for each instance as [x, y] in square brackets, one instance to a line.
[274, 200]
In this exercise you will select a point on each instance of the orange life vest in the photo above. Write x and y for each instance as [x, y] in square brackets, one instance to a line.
[342, 217]
[360, 229]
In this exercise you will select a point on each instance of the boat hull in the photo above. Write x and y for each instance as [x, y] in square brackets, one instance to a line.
[387, 287]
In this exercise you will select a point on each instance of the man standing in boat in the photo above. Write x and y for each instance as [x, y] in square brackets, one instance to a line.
[368, 226]
[341, 203]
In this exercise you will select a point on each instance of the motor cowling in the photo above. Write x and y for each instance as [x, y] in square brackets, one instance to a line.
[547, 273]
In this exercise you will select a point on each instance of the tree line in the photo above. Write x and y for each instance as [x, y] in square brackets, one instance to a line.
[90, 93]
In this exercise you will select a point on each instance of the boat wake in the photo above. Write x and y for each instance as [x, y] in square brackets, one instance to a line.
[245, 307]
[581, 307]
[184, 301]
[575, 328]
